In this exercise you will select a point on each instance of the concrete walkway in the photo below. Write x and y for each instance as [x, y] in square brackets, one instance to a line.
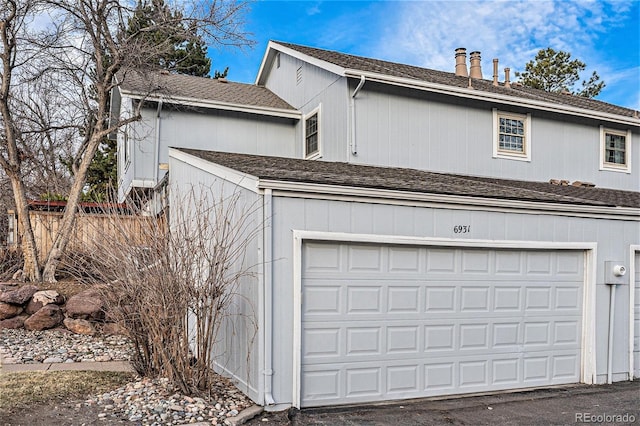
[10, 367]
[67, 366]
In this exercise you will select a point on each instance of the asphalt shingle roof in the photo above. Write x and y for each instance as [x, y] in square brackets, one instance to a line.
[200, 88]
[450, 79]
[411, 180]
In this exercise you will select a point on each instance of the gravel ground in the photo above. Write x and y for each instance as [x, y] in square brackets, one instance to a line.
[143, 402]
[32, 347]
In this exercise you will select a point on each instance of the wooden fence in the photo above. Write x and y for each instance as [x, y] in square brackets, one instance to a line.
[89, 228]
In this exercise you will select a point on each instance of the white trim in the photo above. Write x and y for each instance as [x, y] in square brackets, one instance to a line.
[634, 250]
[318, 154]
[511, 155]
[588, 352]
[227, 106]
[621, 168]
[416, 199]
[243, 180]
[471, 93]
[297, 315]
[274, 47]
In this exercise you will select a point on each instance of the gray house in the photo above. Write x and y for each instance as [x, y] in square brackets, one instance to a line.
[180, 110]
[425, 232]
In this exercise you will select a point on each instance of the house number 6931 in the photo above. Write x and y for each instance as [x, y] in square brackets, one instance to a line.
[461, 229]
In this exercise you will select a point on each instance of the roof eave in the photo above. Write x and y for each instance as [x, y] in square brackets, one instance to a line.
[489, 96]
[227, 106]
[464, 202]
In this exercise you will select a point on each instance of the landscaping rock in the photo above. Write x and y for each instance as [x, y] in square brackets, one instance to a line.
[19, 296]
[42, 298]
[79, 326]
[86, 305]
[7, 286]
[9, 311]
[12, 323]
[48, 317]
[112, 328]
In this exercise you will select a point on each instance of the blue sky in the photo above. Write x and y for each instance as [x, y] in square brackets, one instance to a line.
[603, 34]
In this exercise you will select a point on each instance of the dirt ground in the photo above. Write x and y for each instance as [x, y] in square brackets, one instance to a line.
[61, 414]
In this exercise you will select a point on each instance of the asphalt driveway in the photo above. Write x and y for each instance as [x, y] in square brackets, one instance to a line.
[617, 404]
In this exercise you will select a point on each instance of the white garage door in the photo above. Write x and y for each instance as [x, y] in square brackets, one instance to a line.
[636, 320]
[395, 322]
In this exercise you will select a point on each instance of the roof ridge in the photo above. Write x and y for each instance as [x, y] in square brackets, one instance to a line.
[447, 78]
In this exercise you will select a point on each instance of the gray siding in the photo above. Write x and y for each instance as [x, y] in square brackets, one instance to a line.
[237, 353]
[213, 130]
[316, 87]
[415, 132]
[613, 239]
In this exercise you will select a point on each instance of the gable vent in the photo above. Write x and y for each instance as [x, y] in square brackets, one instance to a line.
[299, 75]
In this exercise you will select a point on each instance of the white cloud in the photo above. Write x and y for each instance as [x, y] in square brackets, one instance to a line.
[426, 33]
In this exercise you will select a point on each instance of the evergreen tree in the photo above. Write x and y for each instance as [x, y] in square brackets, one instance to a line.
[555, 71]
[187, 52]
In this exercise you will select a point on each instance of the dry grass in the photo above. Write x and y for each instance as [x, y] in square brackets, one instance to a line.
[18, 390]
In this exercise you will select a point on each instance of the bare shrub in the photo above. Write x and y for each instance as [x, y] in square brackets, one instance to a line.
[160, 278]
[10, 262]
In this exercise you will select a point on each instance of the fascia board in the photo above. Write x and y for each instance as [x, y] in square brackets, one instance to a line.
[243, 180]
[488, 96]
[275, 47]
[457, 202]
[274, 112]
[267, 59]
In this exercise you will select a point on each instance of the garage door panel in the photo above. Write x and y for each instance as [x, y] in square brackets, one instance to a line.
[406, 322]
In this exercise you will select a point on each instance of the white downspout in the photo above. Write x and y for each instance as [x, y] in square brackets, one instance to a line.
[157, 147]
[268, 297]
[354, 148]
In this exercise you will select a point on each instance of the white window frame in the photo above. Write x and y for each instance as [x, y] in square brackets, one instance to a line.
[511, 155]
[614, 167]
[316, 154]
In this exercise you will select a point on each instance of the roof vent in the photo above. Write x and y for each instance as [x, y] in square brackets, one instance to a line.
[461, 62]
[476, 69]
[583, 184]
[495, 72]
[164, 72]
[222, 80]
[559, 182]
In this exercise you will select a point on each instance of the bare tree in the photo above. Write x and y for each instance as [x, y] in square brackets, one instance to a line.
[74, 62]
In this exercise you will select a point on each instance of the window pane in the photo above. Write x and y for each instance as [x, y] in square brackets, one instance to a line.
[615, 149]
[311, 135]
[511, 134]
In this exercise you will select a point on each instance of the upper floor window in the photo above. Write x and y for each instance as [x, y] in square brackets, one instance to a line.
[511, 135]
[312, 134]
[615, 150]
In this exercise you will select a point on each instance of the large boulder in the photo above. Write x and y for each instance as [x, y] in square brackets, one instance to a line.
[48, 317]
[9, 311]
[19, 296]
[88, 304]
[15, 322]
[79, 326]
[42, 298]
